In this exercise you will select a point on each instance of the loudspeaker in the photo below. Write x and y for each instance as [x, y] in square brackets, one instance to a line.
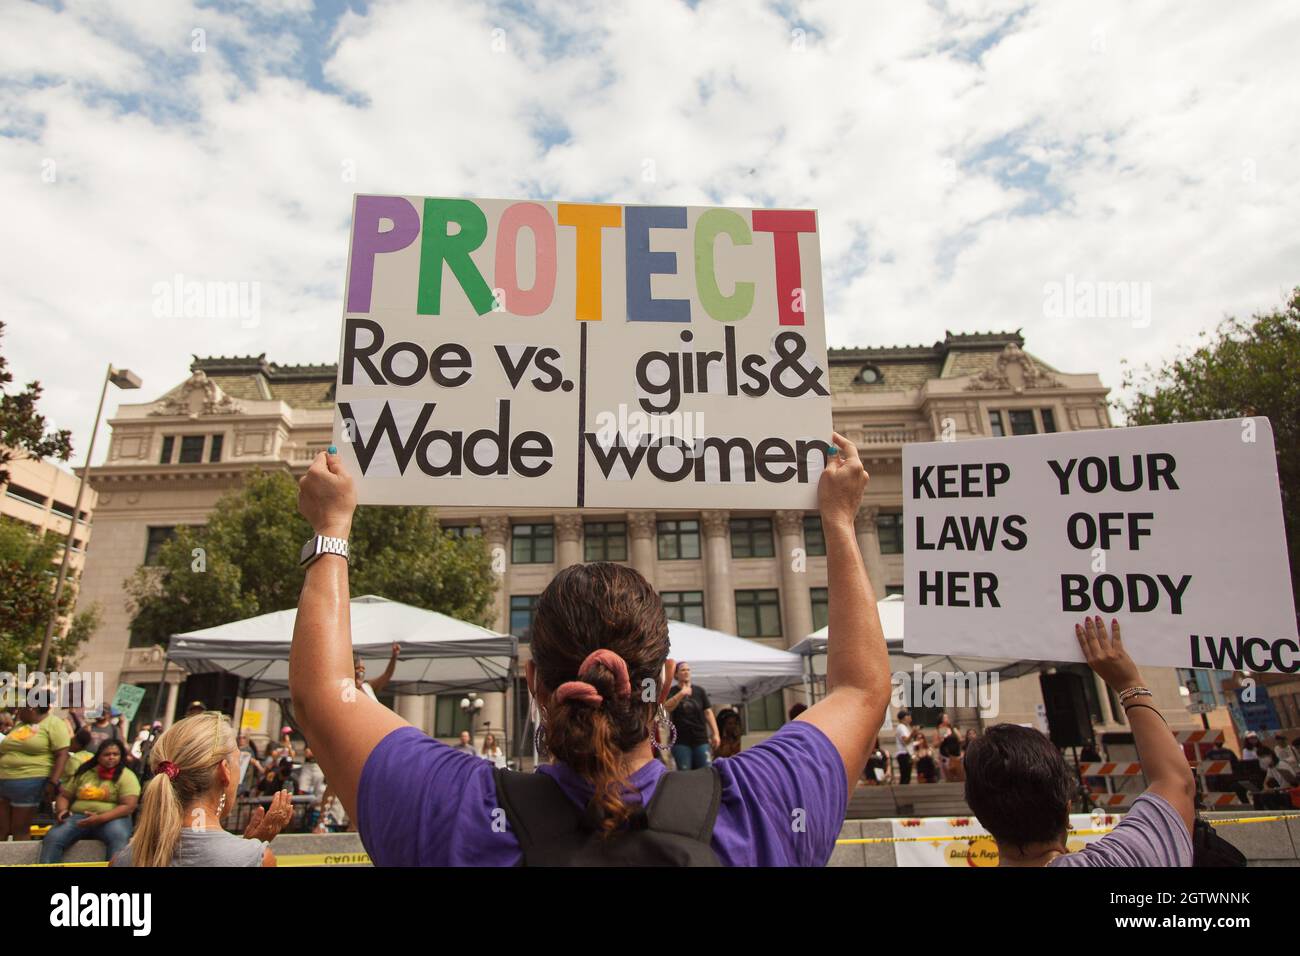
[1066, 703]
[217, 691]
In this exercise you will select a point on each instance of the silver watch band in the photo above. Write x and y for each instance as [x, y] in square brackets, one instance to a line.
[322, 544]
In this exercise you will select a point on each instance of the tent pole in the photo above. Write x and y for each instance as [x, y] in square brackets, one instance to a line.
[162, 689]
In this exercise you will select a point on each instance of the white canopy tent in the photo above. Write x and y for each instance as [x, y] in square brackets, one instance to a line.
[732, 669]
[439, 653]
[891, 622]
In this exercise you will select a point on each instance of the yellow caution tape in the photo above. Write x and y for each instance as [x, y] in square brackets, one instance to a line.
[1092, 831]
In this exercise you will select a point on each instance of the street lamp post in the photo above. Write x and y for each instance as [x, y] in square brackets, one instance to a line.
[471, 705]
[122, 378]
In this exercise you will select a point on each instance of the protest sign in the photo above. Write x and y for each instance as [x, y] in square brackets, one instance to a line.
[1174, 529]
[563, 354]
[127, 699]
[961, 841]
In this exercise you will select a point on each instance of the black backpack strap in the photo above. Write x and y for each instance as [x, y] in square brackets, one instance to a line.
[538, 811]
[686, 803]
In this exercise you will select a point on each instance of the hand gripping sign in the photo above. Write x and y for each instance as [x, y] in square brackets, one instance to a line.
[1175, 529]
[564, 354]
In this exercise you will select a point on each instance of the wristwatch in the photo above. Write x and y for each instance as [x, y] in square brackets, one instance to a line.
[322, 544]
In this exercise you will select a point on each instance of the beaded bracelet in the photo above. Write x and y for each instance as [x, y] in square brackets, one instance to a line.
[1136, 691]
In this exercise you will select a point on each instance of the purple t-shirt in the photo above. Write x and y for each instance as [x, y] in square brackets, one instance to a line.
[421, 803]
[1151, 834]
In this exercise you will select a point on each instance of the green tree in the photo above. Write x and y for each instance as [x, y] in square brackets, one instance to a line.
[23, 430]
[244, 562]
[27, 570]
[1246, 368]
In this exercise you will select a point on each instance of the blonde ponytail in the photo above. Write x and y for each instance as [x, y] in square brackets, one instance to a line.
[194, 747]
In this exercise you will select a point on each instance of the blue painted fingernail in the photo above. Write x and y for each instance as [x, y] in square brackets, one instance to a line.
[832, 450]
[332, 450]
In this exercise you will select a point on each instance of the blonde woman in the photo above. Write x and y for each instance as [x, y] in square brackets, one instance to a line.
[492, 750]
[196, 771]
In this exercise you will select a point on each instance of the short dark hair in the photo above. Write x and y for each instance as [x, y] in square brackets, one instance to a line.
[904, 713]
[1019, 785]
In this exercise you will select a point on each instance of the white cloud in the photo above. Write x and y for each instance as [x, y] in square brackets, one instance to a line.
[1152, 144]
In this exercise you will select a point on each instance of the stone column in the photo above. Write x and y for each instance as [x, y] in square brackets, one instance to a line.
[496, 531]
[173, 695]
[796, 606]
[720, 600]
[642, 530]
[568, 540]
[869, 545]
[410, 707]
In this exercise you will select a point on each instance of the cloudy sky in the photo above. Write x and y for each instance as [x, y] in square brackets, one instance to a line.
[969, 159]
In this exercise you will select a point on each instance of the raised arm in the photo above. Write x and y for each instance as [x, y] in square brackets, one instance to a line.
[1163, 760]
[342, 724]
[857, 664]
[380, 682]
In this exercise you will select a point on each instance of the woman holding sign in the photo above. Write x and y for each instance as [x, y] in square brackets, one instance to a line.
[600, 674]
[1019, 785]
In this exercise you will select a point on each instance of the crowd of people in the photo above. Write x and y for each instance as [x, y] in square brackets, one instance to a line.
[614, 714]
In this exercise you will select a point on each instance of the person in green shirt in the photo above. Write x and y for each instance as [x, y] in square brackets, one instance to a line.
[78, 753]
[98, 805]
[32, 757]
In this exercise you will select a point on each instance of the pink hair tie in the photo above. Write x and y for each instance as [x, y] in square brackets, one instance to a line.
[586, 693]
[580, 691]
[616, 664]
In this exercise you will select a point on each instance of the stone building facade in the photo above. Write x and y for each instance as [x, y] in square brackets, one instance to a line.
[171, 459]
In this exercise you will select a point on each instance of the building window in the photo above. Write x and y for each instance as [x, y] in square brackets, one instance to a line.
[605, 541]
[532, 543]
[522, 607]
[766, 713]
[1049, 420]
[59, 508]
[214, 450]
[1022, 421]
[814, 539]
[679, 540]
[449, 720]
[685, 606]
[26, 495]
[157, 538]
[191, 449]
[889, 528]
[751, 538]
[995, 424]
[868, 375]
[169, 443]
[820, 607]
[463, 530]
[758, 613]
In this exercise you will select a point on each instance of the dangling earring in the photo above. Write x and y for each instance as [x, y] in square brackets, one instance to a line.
[662, 722]
[539, 732]
[221, 807]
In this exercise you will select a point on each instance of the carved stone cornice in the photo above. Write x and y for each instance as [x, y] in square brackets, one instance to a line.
[198, 395]
[789, 522]
[496, 528]
[642, 524]
[1015, 372]
[715, 523]
[568, 527]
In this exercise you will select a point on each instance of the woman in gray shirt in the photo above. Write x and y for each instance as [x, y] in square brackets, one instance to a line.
[196, 772]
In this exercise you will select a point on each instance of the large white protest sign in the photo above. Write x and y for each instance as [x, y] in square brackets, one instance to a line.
[563, 354]
[1174, 529]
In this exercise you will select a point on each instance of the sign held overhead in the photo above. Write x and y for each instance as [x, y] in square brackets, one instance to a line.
[1176, 529]
[567, 354]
